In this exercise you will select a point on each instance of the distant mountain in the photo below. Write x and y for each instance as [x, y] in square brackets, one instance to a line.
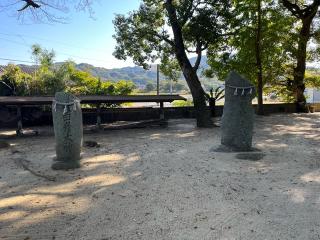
[24, 68]
[136, 74]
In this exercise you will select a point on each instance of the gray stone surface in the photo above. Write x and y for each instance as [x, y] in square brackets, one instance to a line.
[238, 113]
[68, 131]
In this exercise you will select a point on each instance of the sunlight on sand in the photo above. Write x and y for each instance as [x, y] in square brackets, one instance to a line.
[50, 201]
[311, 177]
[107, 158]
[96, 180]
[270, 145]
[92, 162]
[261, 167]
[156, 136]
[12, 216]
[157, 184]
[178, 135]
[39, 203]
[307, 130]
[186, 135]
[38, 211]
[297, 195]
[9, 133]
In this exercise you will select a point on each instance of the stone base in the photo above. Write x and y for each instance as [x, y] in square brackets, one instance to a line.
[58, 165]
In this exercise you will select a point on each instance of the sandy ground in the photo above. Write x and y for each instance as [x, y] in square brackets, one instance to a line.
[165, 183]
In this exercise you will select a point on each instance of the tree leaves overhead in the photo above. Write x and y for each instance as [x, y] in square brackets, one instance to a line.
[169, 30]
[278, 43]
[45, 11]
[145, 34]
[141, 35]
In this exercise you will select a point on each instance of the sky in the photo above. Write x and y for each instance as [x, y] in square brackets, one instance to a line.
[82, 39]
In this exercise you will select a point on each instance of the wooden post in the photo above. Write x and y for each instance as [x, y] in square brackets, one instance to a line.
[161, 111]
[158, 80]
[19, 119]
[212, 104]
[98, 124]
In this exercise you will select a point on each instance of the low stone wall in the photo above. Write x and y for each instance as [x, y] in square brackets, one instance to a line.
[37, 116]
[316, 107]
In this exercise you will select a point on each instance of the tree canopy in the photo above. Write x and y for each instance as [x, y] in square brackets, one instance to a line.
[267, 41]
[169, 31]
[146, 34]
[278, 38]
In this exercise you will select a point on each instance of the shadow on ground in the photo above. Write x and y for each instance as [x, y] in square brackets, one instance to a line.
[164, 183]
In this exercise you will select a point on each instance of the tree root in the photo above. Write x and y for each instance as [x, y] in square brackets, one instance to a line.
[25, 165]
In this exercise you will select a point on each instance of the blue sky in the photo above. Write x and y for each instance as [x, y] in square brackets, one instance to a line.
[82, 39]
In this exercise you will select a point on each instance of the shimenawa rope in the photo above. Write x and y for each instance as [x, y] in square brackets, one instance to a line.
[74, 103]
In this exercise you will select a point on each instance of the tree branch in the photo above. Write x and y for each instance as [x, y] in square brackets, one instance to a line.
[198, 61]
[29, 3]
[188, 13]
[293, 8]
[167, 40]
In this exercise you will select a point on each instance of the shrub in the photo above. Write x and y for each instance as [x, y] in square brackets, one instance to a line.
[181, 103]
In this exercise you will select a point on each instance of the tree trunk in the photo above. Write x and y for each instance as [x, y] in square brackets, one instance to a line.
[306, 15]
[203, 115]
[202, 111]
[299, 70]
[258, 60]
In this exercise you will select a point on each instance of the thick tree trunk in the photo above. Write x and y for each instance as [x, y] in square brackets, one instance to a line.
[203, 115]
[202, 111]
[306, 15]
[258, 61]
[299, 70]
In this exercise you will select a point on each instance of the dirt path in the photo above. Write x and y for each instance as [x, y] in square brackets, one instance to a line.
[167, 184]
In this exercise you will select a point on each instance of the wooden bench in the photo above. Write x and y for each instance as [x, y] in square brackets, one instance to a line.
[19, 102]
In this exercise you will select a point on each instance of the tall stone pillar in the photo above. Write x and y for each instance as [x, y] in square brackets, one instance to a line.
[238, 113]
[68, 131]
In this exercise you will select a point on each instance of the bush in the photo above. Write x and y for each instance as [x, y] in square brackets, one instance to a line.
[181, 103]
[48, 81]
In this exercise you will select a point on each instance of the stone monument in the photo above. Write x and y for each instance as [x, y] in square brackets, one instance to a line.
[238, 113]
[68, 131]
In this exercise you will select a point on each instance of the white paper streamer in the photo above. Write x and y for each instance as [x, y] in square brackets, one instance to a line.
[241, 88]
[75, 104]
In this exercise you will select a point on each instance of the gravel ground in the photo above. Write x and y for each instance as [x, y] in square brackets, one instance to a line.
[167, 183]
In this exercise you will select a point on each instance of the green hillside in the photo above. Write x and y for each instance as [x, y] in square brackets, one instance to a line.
[143, 79]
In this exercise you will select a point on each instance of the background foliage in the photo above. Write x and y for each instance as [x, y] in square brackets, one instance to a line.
[49, 78]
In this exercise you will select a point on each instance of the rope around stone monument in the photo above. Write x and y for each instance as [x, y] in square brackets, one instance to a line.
[75, 103]
[240, 88]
